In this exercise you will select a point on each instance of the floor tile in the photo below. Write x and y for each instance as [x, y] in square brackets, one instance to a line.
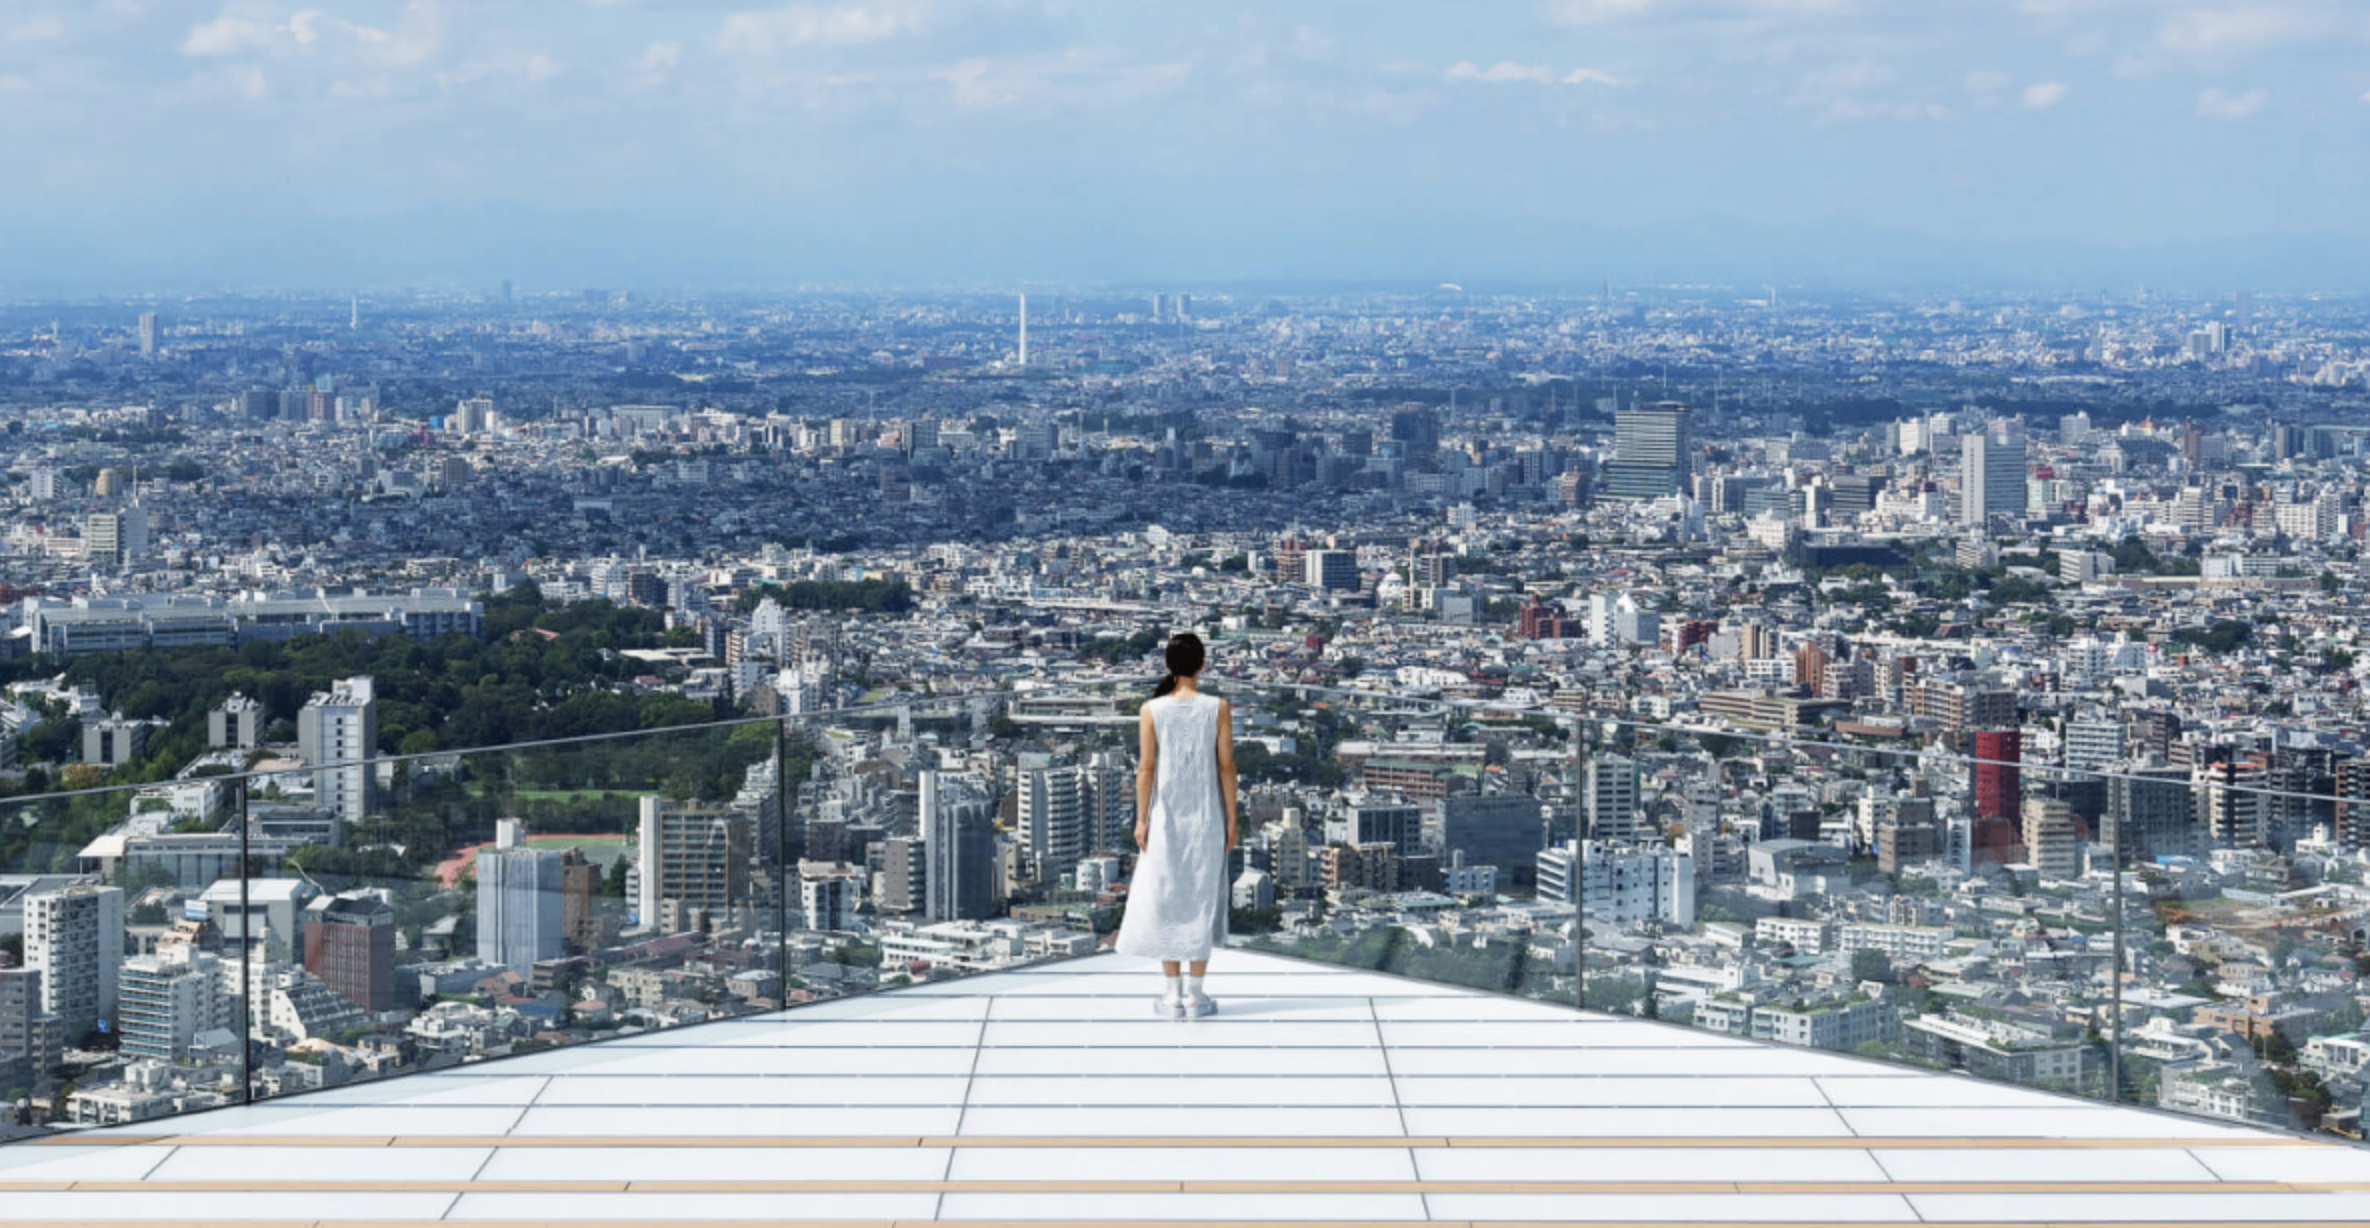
[1182, 1164]
[743, 1061]
[1120, 1091]
[1615, 1123]
[1710, 1095]
[718, 1164]
[1509, 1034]
[2286, 1163]
[2141, 1208]
[1750, 1061]
[1181, 1060]
[323, 1164]
[878, 1033]
[1182, 1122]
[734, 1122]
[294, 1117]
[1219, 1030]
[1134, 1008]
[2042, 1164]
[1934, 1091]
[884, 1090]
[1644, 1164]
[1683, 1208]
[434, 1089]
[60, 1163]
[1108, 1207]
[692, 1208]
[98, 1208]
[2073, 1121]
[1479, 1006]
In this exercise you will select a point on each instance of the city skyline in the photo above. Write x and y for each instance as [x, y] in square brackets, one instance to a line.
[701, 145]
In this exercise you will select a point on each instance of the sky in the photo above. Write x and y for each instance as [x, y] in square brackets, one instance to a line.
[682, 143]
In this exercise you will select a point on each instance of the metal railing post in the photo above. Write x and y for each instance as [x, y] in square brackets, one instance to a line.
[246, 961]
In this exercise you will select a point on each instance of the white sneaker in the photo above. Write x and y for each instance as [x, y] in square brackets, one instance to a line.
[1198, 1005]
[1168, 1007]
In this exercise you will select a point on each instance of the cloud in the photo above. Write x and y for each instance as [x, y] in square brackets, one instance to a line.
[1078, 76]
[2239, 29]
[1752, 12]
[2219, 103]
[1311, 43]
[660, 57]
[2042, 95]
[772, 31]
[37, 30]
[10, 83]
[1986, 82]
[230, 34]
[511, 68]
[1506, 72]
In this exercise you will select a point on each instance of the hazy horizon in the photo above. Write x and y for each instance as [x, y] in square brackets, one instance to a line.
[2050, 144]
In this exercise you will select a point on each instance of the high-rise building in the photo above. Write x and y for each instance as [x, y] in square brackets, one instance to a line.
[1651, 444]
[1506, 831]
[169, 998]
[2052, 843]
[341, 726]
[1053, 820]
[583, 926]
[2230, 808]
[1609, 800]
[74, 939]
[958, 847]
[148, 334]
[520, 917]
[694, 864]
[235, 724]
[1991, 477]
[828, 894]
[1416, 429]
[1332, 570]
[349, 943]
[117, 538]
[2353, 812]
[1393, 823]
[1999, 774]
[1907, 834]
[31, 1043]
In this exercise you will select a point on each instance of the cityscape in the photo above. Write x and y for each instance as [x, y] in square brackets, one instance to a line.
[607, 606]
[1845, 661]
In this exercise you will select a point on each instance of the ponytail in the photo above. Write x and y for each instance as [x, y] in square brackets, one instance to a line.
[1167, 683]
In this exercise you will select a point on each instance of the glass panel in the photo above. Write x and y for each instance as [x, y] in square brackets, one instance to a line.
[484, 904]
[116, 1003]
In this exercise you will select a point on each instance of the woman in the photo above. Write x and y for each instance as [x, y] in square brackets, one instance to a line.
[1185, 827]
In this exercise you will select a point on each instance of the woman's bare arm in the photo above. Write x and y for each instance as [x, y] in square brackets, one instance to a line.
[1226, 770]
[1147, 762]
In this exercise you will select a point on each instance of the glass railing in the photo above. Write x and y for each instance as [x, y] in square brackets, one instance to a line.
[2177, 937]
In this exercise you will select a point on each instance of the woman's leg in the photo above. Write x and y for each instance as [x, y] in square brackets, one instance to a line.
[1197, 968]
[1168, 967]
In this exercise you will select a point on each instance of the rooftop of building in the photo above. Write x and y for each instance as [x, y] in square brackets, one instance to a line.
[1052, 1094]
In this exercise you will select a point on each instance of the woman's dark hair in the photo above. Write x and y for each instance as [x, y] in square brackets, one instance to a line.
[1185, 657]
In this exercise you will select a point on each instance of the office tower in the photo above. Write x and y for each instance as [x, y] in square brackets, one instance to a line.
[1907, 834]
[1999, 774]
[341, 726]
[1110, 801]
[148, 334]
[828, 893]
[169, 998]
[957, 822]
[921, 435]
[235, 724]
[1331, 570]
[74, 939]
[1053, 820]
[113, 742]
[1024, 330]
[473, 416]
[583, 926]
[349, 943]
[1650, 452]
[904, 876]
[2051, 841]
[116, 539]
[520, 918]
[1506, 831]
[694, 863]
[1416, 429]
[1991, 477]
[2353, 811]
[30, 1038]
[2230, 809]
[1609, 800]
[2093, 743]
[1398, 825]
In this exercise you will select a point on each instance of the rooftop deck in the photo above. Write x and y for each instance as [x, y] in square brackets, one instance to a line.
[1053, 1095]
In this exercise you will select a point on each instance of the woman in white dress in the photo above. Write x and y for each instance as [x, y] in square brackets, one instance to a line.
[1185, 827]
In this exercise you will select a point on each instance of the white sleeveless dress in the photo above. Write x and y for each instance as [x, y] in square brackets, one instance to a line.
[1177, 901]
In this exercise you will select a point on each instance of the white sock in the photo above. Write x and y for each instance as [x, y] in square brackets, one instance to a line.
[1174, 994]
[1193, 986]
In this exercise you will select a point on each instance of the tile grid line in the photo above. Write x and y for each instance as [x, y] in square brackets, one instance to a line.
[1831, 1107]
[1382, 1048]
[970, 1077]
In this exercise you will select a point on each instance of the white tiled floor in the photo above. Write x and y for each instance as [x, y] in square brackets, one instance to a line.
[1071, 1052]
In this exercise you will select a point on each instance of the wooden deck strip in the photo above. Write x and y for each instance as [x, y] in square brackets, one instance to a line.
[1181, 1186]
[1603, 1142]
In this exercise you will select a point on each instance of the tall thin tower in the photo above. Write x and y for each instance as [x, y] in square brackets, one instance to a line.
[1024, 330]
